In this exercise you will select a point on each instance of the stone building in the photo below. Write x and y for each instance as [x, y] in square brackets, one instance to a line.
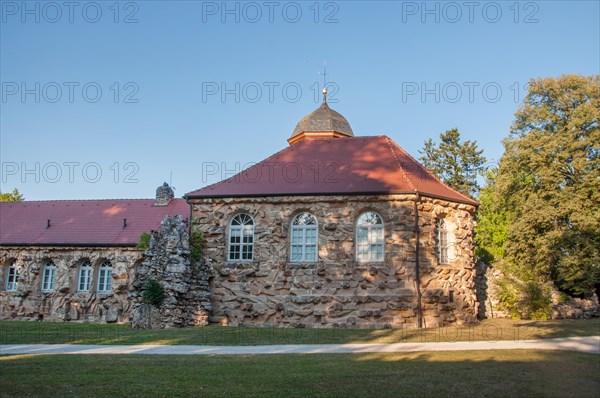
[335, 230]
[76, 259]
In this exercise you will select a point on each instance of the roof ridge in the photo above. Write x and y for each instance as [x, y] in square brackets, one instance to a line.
[429, 172]
[241, 171]
[389, 143]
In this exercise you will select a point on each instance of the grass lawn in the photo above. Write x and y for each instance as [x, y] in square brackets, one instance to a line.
[522, 373]
[15, 332]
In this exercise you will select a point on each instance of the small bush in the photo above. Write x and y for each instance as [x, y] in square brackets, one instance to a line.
[536, 302]
[153, 293]
[196, 245]
[144, 243]
[528, 300]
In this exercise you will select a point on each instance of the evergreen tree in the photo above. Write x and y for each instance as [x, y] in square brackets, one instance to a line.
[456, 164]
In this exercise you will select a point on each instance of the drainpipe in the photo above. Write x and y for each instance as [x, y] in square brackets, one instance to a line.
[417, 270]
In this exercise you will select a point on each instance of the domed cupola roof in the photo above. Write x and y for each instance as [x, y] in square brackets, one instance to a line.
[323, 122]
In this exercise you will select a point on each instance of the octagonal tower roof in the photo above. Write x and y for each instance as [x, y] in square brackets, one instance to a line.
[323, 122]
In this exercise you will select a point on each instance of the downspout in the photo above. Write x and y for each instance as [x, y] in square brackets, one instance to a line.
[417, 262]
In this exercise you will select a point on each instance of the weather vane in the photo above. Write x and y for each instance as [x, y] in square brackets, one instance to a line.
[324, 81]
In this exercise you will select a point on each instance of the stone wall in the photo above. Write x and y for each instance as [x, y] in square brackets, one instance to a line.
[487, 289]
[338, 290]
[185, 281]
[65, 303]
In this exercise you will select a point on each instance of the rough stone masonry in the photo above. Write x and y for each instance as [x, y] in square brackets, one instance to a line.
[338, 291]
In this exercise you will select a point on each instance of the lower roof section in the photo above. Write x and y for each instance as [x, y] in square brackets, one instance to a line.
[118, 222]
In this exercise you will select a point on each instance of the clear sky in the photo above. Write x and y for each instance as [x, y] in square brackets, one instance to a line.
[107, 99]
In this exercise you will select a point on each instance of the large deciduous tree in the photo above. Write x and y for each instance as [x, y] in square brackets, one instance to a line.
[545, 194]
[456, 163]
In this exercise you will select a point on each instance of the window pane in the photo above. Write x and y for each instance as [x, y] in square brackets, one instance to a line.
[234, 252]
[246, 252]
[296, 253]
[311, 235]
[311, 253]
[84, 278]
[11, 280]
[48, 280]
[101, 280]
[378, 250]
[108, 279]
[362, 235]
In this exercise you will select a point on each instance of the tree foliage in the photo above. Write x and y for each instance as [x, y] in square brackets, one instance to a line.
[14, 196]
[144, 243]
[196, 242]
[540, 215]
[153, 293]
[493, 221]
[456, 164]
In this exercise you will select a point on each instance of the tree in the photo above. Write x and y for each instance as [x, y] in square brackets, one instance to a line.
[493, 221]
[14, 196]
[456, 164]
[548, 187]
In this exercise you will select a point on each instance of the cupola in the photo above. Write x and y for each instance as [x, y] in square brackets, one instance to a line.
[323, 122]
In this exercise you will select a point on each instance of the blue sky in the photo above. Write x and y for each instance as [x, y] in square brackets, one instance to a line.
[107, 99]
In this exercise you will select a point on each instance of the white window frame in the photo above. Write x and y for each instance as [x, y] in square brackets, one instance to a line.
[370, 225]
[85, 277]
[105, 277]
[12, 277]
[442, 242]
[242, 227]
[49, 277]
[306, 228]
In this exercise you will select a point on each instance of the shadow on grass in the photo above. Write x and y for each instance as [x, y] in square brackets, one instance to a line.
[520, 373]
[16, 332]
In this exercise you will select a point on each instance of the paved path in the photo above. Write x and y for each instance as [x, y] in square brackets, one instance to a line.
[583, 344]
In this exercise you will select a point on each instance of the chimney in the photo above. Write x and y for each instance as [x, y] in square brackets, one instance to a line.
[164, 194]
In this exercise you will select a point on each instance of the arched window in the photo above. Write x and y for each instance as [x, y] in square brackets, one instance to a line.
[85, 277]
[241, 238]
[303, 242]
[369, 237]
[442, 241]
[11, 278]
[48, 277]
[104, 277]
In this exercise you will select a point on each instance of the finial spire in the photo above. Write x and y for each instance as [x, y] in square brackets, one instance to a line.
[324, 82]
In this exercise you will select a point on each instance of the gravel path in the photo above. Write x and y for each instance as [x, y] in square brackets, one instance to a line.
[583, 344]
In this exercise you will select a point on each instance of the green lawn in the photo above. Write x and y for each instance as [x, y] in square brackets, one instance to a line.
[522, 373]
[14, 332]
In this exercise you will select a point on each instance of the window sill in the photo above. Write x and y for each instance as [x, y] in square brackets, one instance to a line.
[303, 264]
[233, 264]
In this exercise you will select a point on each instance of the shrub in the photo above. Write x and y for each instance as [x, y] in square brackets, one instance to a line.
[144, 243]
[528, 300]
[196, 245]
[153, 293]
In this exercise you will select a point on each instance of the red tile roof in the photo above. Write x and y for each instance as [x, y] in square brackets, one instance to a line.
[357, 165]
[83, 222]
